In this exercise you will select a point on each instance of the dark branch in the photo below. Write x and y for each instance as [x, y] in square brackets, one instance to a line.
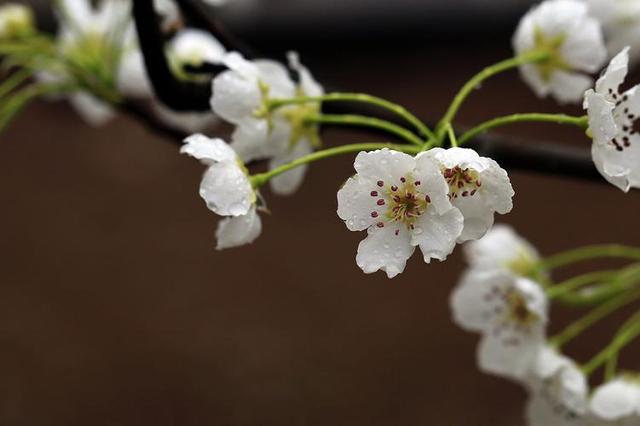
[174, 93]
[202, 16]
[147, 117]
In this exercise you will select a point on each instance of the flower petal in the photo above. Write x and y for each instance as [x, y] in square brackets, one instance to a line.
[614, 75]
[436, 233]
[384, 250]
[227, 190]
[289, 182]
[616, 400]
[239, 230]
[355, 204]
[384, 165]
[208, 150]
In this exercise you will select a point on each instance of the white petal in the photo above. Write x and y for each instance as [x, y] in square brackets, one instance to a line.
[235, 97]
[132, 76]
[193, 46]
[499, 248]
[238, 231]
[436, 233]
[384, 165]
[433, 184]
[250, 139]
[508, 354]
[276, 77]
[531, 75]
[616, 400]
[208, 150]
[289, 182]
[478, 216]
[497, 187]
[614, 75]
[91, 109]
[309, 86]
[355, 204]
[601, 122]
[568, 87]
[384, 250]
[584, 47]
[473, 302]
[227, 190]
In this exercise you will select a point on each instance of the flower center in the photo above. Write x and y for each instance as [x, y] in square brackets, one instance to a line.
[552, 45]
[462, 182]
[517, 310]
[400, 202]
[628, 123]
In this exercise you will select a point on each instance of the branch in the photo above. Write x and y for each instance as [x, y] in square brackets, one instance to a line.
[174, 93]
[202, 16]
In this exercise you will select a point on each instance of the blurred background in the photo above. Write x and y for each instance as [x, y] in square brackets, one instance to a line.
[116, 310]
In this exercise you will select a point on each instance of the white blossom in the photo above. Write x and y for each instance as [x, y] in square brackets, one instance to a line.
[402, 202]
[87, 37]
[510, 313]
[226, 189]
[620, 20]
[240, 96]
[502, 248]
[478, 187]
[575, 42]
[194, 47]
[558, 391]
[618, 400]
[614, 121]
[16, 20]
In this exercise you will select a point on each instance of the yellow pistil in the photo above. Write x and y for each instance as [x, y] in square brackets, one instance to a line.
[552, 45]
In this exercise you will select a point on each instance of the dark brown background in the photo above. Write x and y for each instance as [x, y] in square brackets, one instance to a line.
[115, 309]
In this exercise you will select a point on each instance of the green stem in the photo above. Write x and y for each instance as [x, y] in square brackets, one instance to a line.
[262, 178]
[590, 252]
[471, 85]
[591, 318]
[19, 100]
[13, 81]
[572, 284]
[359, 120]
[362, 98]
[627, 333]
[452, 135]
[581, 122]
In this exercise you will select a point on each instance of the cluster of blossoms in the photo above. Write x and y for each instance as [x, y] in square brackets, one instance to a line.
[501, 297]
[430, 193]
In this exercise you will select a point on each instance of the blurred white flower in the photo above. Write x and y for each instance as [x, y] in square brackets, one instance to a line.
[402, 202]
[618, 400]
[621, 22]
[478, 187]
[558, 391]
[511, 314]
[168, 10]
[16, 20]
[614, 122]
[240, 96]
[502, 248]
[101, 40]
[194, 47]
[227, 190]
[574, 39]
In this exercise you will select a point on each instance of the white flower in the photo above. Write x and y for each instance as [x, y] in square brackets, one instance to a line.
[502, 248]
[239, 96]
[574, 40]
[16, 20]
[558, 391]
[102, 40]
[614, 121]
[511, 314]
[620, 20]
[402, 203]
[478, 187]
[618, 399]
[168, 10]
[227, 190]
[194, 47]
